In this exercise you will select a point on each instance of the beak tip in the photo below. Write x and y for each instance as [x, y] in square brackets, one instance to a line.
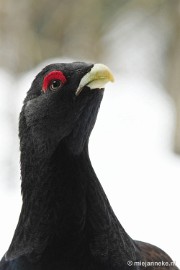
[112, 78]
[107, 72]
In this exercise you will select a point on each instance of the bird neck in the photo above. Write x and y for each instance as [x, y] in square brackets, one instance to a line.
[54, 189]
[65, 207]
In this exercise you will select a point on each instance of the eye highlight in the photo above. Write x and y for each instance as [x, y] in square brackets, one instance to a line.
[53, 81]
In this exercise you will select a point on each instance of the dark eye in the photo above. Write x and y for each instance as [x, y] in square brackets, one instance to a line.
[55, 85]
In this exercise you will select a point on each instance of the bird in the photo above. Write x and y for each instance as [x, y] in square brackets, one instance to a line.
[66, 221]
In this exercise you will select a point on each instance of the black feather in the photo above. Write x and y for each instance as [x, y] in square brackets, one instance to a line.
[66, 221]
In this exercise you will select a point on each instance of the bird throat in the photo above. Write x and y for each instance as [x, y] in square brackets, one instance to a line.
[64, 208]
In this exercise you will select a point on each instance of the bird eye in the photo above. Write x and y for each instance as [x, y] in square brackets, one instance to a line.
[53, 81]
[55, 85]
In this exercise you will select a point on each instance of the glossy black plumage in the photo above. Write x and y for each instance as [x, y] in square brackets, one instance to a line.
[66, 222]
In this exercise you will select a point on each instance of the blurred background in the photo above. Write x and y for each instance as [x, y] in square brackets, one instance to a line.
[135, 145]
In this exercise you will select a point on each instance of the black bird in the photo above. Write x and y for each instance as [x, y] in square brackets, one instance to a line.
[66, 221]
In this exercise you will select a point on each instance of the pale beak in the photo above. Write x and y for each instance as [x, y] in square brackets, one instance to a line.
[96, 78]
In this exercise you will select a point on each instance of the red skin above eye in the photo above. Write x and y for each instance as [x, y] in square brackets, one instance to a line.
[53, 75]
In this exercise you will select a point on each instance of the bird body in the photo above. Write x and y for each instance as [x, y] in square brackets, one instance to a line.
[66, 221]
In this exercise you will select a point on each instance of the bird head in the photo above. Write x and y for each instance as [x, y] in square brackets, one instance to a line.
[62, 104]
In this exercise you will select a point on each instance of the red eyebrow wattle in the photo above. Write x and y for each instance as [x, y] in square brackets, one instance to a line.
[53, 75]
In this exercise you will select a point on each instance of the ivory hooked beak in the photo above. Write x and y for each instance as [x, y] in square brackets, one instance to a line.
[96, 78]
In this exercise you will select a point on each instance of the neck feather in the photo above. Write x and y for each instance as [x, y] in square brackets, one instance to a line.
[65, 207]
